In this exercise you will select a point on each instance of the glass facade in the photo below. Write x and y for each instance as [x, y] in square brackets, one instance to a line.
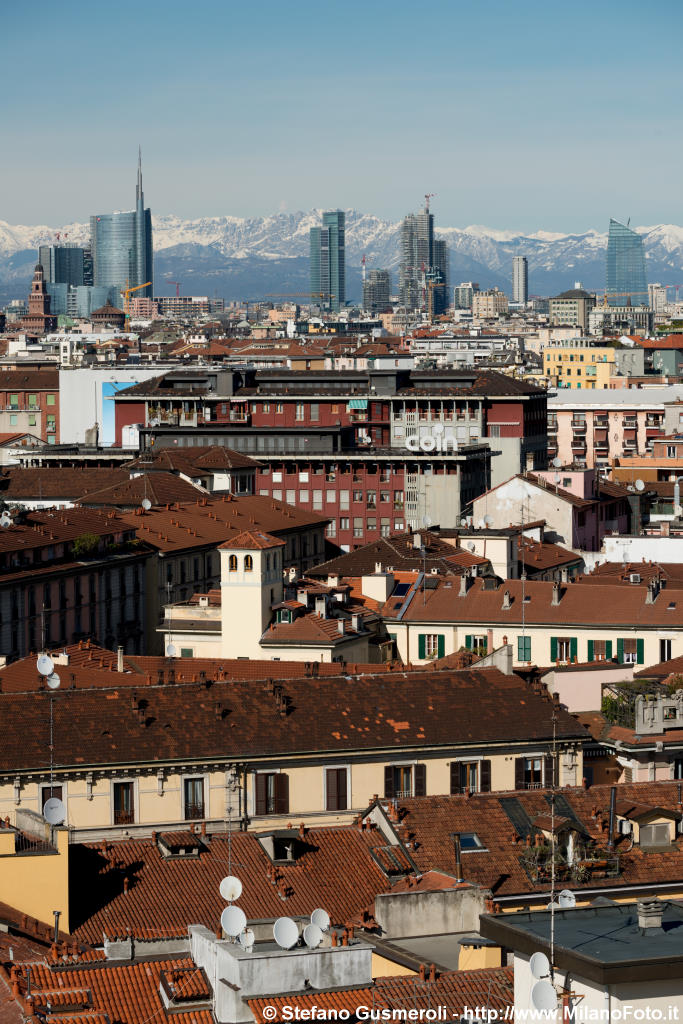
[328, 261]
[121, 245]
[626, 278]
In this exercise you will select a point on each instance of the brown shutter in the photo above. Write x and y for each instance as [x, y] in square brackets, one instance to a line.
[389, 788]
[342, 802]
[455, 777]
[331, 789]
[420, 780]
[261, 793]
[281, 793]
[485, 777]
[549, 779]
[519, 772]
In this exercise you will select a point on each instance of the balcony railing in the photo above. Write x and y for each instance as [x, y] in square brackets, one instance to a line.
[194, 811]
[630, 422]
[600, 422]
[579, 426]
[124, 817]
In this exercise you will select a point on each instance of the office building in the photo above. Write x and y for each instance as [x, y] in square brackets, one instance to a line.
[66, 264]
[626, 278]
[121, 246]
[520, 279]
[572, 308]
[377, 291]
[423, 271]
[463, 293]
[328, 261]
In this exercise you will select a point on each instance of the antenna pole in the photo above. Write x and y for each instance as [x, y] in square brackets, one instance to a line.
[552, 857]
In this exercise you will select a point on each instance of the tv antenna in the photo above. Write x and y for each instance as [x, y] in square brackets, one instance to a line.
[54, 811]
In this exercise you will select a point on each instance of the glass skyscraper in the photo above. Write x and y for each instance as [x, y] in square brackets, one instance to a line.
[423, 271]
[328, 261]
[122, 246]
[626, 278]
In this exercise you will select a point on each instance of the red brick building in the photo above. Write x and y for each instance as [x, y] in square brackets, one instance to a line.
[29, 403]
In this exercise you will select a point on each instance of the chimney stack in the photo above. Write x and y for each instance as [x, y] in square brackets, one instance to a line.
[650, 913]
[119, 659]
[458, 858]
[463, 584]
[556, 594]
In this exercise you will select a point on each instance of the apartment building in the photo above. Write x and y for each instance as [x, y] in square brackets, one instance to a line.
[576, 363]
[29, 403]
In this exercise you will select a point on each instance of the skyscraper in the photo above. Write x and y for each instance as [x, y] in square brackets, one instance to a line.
[424, 261]
[377, 291]
[122, 246]
[520, 279]
[66, 264]
[626, 277]
[328, 261]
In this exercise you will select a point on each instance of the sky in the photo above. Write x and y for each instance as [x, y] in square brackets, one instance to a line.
[518, 114]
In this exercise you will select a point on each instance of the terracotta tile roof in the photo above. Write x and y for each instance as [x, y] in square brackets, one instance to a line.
[193, 460]
[538, 557]
[43, 527]
[662, 670]
[310, 629]
[170, 722]
[619, 573]
[29, 380]
[608, 734]
[491, 987]
[428, 824]
[252, 540]
[399, 551]
[160, 488]
[166, 894]
[65, 482]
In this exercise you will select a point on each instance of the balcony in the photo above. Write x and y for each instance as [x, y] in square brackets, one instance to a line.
[194, 812]
[124, 818]
[579, 426]
[552, 426]
[630, 423]
[242, 416]
[600, 422]
[579, 444]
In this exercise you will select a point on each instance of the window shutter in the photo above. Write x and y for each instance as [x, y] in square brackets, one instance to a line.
[553, 649]
[441, 649]
[331, 789]
[468, 643]
[573, 648]
[549, 779]
[341, 789]
[261, 793]
[389, 788]
[421, 645]
[520, 648]
[281, 793]
[485, 777]
[608, 649]
[420, 780]
[640, 651]
[591, 650]
[620, 650]
[455, 777]
[519, 772]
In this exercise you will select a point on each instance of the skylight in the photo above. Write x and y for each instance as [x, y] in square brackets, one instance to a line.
[470, 841]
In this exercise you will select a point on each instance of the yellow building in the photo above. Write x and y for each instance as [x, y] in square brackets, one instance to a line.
[576, 363]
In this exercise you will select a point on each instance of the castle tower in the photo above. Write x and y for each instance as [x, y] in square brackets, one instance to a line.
[251, 583]
[39, 319]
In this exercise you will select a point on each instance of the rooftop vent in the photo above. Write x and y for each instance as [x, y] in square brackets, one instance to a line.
[650, 914]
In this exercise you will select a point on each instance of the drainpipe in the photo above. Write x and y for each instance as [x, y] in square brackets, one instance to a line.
[612, 812]
[458, 859]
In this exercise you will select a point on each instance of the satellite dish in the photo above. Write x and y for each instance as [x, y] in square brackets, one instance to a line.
[554, 905]
[5, 521]
[426, 522]
[285, 932]
[567, 898]
[171, 651]
[53, 681]
[321, 918]
[230, 888]
[557, 462]
[488, 520]
[146, 504]
[471, 546]
[233, 921]
[481, 524]
[543, 997]
[539, 965]
[313, 936]
[45, 665]
[54, 811]
[247, 939]
[463, 522]
[640, 486]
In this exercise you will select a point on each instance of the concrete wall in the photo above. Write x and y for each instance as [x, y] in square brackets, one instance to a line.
[36, 884]
[429, 913]
[582, 690]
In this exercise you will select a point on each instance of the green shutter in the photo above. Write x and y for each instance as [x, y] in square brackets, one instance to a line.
[640, 651]
[520, 648]
[553, 649]
[574, 649]
[421, 645]
[468, 643]
[608, 649]
[441, 646]
[620, 650]
[590, 650]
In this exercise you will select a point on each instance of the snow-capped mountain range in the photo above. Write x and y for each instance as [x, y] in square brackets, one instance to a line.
[248, 257]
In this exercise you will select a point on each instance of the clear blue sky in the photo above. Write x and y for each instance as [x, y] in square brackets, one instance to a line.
[519, 114]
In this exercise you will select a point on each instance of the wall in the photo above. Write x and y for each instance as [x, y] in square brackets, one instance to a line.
[582, 690]
[519, 499]
[36, 884]
[83, 404]
[429, 913]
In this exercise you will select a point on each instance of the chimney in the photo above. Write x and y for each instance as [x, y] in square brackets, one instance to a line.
[612, 815]
[321, 606]
[341, 626]
[463, 585]
[650, 913]
[557, 594]
[378, 567]
[119, 659]
[507, 603]
[417, 541]
[652, 591]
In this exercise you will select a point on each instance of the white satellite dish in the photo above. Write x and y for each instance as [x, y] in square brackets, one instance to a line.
[53, 681]
[146, 504]
[471, 546]
[5, 521]
[321, 918]
[640, 486]
[543, 997]
[171, 651]
[557, 462]
[45, 665]
[426, 522]
[488, 520]
[481, 524]
[54, 811]
[286, 932]
[554, 905]
[233, 921]
[463, 522]
[313, 936]
[230, 888]
[539, 966]
[567, 899]
[247, 939]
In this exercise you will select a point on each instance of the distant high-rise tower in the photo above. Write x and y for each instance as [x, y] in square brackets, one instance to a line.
[423, 261]
[328, 261]
[65, 264]
[122, 245]
[520, 279]
[626, 277]
[377, 291]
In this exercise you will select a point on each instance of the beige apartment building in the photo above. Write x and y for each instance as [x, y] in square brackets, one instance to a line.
[489, 304]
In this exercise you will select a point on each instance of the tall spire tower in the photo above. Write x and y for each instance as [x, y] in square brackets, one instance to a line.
[138, 191]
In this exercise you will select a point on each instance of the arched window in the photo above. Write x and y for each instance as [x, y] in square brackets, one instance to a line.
[248, 563]
[232, 563]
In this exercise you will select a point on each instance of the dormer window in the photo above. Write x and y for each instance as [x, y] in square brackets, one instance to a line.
[232, 563]
[248, 563]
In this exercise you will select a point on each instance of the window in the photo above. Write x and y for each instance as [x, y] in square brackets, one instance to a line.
[266, 407]
[336, 789]
[314, 411]
[124, 803]
[32, 420]
[384, 527]
[665, 650]
[300, 411]
[533, 772]
[398, 499]
[563, 648]
[14, 401]
[655, 835]
[279, 407]
[405, 780]
[470, 841]
[50, 793]
[479, 644]
[271, 793]
[398, 526]
[358, 496]
[523, 648]
[51, 424]
[248, 563]
[630, 651]
[330, 497]
[317, 500]
[187, 652]
[371, 525]
[290, 496]
[232, 563]
[344, 523]
[358, 527]
[304, 496]
[344, 499]
[193, 793]
[384, 496]
[33, 401]
[331, 530]
[431, 645]
[372, 499]
[13, 419]
[474, 776]
[50, 399]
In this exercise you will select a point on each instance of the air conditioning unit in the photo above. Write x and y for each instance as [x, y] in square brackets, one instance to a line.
[625, 827]
[635, 577]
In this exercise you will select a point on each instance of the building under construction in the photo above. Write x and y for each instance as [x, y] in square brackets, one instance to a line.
[377, 291]
[423, 271]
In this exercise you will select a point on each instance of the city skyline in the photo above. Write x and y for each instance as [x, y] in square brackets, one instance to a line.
[475, 66]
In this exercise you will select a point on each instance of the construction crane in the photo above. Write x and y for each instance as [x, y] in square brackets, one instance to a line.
[177, 286]
[428, 196]
[617, 295]
[127, 292]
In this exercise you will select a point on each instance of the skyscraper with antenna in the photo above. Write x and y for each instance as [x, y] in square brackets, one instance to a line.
[122, 245]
